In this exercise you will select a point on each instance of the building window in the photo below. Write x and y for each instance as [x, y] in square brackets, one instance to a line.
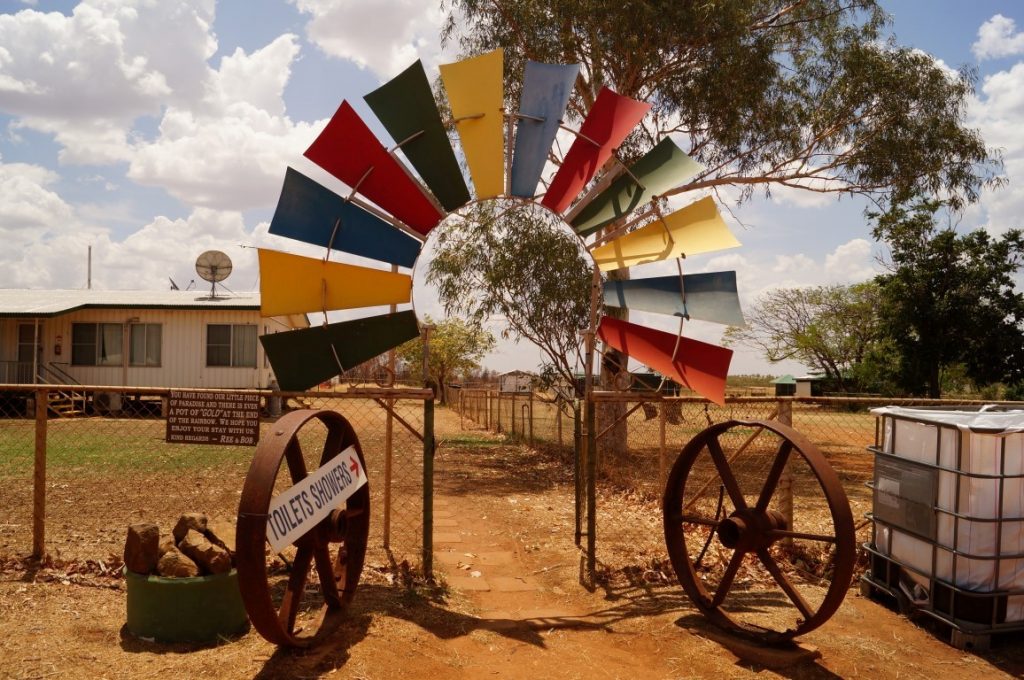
[97, 344]
[144, 344]
[231, 345]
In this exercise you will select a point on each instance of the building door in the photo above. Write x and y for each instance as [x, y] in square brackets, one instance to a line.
[27, 365]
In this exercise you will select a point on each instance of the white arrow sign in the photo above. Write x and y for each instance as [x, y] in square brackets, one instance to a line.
[301, 507]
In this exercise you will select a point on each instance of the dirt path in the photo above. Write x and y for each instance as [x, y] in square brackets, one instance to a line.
[512, 608]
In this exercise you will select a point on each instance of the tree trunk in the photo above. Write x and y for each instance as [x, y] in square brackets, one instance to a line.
[614, 443]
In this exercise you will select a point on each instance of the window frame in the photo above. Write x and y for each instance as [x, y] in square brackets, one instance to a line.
[97, 343]
[233, 360]
[144, 328]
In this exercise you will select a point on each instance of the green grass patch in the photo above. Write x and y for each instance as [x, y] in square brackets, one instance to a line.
[93, 446]
[471, 440]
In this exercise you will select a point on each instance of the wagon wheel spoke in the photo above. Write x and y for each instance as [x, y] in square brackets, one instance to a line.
[695, 519]
[794, 595]
[296, 465]
[783, 533]
[727, 578]
[774, 475]
[325, 571]
[292, 599]
[725, 473]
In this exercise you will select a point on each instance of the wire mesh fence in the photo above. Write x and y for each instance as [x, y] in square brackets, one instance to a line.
[107, 464]
[640, 435]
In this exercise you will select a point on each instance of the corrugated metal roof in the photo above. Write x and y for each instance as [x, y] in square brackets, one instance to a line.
[36, 303]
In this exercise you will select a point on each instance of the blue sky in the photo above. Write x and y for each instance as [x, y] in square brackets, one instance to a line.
[155, 130]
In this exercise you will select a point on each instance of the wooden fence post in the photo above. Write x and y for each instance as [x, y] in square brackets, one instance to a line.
[39, 481]
[786, 480]
[558, 423]
[530, 408]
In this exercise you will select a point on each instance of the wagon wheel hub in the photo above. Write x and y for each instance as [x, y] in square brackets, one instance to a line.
[750, 530]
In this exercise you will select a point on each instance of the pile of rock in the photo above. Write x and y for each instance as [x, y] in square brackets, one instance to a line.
[196, 547]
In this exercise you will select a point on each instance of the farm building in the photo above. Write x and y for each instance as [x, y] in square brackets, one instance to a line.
[135, 338]
[516, 381]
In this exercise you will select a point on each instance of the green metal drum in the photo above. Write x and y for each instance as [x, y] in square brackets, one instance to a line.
[196, 609]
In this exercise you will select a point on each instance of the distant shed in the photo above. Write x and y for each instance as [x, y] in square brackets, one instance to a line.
[785, 386]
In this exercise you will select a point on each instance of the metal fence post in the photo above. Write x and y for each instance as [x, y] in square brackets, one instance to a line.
[577, 439]
[786, 480]
[39, 481]
[662, 421]
[428, 487]
[591, 447]
[389, 428]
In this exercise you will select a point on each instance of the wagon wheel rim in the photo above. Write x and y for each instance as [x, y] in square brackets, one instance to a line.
[337, 578]
[752, 528]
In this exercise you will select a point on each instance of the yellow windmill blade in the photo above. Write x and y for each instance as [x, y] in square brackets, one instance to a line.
[476, 95]
[697, 228]
[290, 284]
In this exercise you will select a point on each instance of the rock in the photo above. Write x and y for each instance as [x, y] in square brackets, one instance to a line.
[222, 533]
[212, 559]
[166, 545]
[195, 521]
[142, 548]
[174, 563]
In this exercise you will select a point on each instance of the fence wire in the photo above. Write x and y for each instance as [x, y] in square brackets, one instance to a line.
[640, 436]
[108, 466]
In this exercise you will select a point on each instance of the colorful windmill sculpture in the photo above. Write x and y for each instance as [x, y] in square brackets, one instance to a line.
[506, 155]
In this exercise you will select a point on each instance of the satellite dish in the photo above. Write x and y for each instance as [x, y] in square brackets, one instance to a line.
[213, 266]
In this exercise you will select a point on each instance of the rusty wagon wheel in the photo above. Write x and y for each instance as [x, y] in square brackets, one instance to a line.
[276, 588]
[727, 538]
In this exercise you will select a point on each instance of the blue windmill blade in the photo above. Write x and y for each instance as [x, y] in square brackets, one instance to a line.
[546, 92]
[709, 297]
[308, 212]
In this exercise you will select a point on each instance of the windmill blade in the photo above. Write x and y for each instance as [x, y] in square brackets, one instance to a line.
[698, 365]
[695, 229]
[406, 107]
[660, 169]
[709, 297]
[348, 150]
[476, 95]
[308, 212]
[546, 92]
[307, 357]
[610, 120]
[290, 284]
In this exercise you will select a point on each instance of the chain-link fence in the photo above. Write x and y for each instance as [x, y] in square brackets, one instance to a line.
[640, 435]
[102, 461]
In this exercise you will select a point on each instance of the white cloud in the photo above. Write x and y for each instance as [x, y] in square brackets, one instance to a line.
[384, 36]
[29, 204]
[851, 262]
[998, 37]
[87, 76]
[997, 112]
[801, 198]
[230, 152]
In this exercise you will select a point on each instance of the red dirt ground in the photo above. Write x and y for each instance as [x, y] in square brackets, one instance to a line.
[511, 607]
